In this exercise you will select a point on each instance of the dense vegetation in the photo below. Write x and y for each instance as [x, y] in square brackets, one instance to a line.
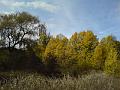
[33, 81]
[25, 45]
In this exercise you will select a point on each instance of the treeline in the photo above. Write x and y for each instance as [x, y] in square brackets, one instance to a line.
[26, 45]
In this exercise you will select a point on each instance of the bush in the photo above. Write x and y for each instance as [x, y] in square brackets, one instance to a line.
[4, 59]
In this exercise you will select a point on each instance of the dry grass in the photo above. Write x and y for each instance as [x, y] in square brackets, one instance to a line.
[93, 81]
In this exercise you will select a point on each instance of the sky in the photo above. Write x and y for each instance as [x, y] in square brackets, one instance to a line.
[69, 16]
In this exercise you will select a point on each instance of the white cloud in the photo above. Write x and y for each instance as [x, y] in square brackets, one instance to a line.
[33, 4]
[43, 5]
[7, 12]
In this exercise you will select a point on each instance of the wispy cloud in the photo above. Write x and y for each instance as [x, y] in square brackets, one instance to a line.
[7, 12]
[31, 4]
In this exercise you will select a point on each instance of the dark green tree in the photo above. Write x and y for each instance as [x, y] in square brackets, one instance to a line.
[19, 29]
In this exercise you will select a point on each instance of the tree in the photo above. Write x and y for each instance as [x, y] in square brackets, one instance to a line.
[19, 29]
[99, 57]
[42, 42]
[55, 53]
[75, 41]
[44, 37]
[50, 58]
[60, 51]
[112, 62]
[84, 44]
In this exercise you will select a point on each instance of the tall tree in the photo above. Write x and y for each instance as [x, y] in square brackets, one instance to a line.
[55, 53]
[84, 44]
[112, 62]
[99, 57]
[42, 42]
[19, 29]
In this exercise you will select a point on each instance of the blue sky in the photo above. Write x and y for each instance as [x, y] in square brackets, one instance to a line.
[69, 16]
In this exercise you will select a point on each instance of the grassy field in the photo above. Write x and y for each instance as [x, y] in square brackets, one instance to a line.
[34, 81]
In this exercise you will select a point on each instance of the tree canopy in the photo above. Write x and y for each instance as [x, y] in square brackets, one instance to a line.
[19, 29]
